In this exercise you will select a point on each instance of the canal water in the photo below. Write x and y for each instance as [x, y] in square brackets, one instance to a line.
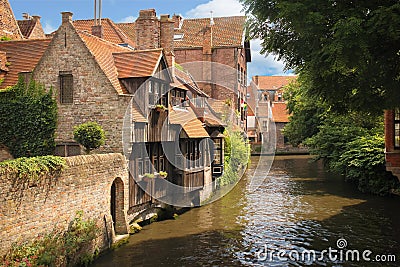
[301, 215]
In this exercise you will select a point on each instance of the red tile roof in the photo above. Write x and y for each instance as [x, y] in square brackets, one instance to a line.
[22, 56]
[111, 32]
[279, 112]
[138, 63]
[128, 29]
[28, 25]
[272, 82]
[103, 53]
[189, 122]
[227, 31]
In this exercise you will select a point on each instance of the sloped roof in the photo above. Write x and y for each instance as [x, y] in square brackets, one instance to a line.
[111, 32]
[227, 31]
[272, 82]
[22, 56]
[128, 29]
[279, 112]
[218, 106]
[27, 26]
[102, 51]
[189, 122]
[137, 114]
[139, 63]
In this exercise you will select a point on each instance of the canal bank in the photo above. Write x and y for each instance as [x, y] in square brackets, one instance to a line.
[298, 207]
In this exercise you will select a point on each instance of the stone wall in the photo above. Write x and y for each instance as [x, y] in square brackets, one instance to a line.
[28, 209]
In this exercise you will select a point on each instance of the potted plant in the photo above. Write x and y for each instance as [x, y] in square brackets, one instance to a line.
[147, 177]
[160, 107]
[163, 174]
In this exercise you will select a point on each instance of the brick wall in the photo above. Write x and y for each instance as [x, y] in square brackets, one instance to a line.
[392, 155]
[94, 97]
[8, 24]
[147, 30]
[30, 209]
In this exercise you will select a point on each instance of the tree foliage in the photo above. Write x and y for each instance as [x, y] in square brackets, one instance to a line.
[307, 113]
[347, 50]
[237, 155]
[90, 135]
[28, 118]
[351, 144]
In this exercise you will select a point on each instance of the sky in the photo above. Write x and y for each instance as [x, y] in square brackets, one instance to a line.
[127, 11]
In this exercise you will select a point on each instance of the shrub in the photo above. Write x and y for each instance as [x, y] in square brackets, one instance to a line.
[28, 117]
[71, 248]
[90, 135]
[237, 154]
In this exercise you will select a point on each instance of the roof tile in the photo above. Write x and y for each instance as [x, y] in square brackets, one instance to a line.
[137, 63]
[272, 82]
[227, 31]
[22, 56]
[279, 112]
[189, 122]
[111, 32]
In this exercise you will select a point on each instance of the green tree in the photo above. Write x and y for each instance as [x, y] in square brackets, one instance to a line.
[90, 135]
[306, 113]
[347, 50]
[28, 119]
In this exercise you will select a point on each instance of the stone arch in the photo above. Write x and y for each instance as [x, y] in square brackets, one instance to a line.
[117, 204]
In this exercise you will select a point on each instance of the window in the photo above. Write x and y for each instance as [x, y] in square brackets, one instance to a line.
[397, 128]
[217, 151]
[66, 88]
[265, 125]
[151, 93]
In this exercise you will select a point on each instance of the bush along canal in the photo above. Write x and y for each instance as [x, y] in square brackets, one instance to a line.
[301, 215]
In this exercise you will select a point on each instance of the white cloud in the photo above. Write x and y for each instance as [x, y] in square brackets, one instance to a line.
[48, 28]
[127, 19]
[220, 8]
[261, 65]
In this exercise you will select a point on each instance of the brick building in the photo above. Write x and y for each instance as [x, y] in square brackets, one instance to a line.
[219, 47]
[392, 141]
[266, 94]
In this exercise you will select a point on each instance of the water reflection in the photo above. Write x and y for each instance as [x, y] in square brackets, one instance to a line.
[298, 207]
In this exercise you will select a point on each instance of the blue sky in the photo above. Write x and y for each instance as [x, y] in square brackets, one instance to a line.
[127, 10]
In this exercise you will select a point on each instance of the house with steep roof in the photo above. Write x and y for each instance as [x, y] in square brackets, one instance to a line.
[266, 96]
[141, 104]
[30, 27]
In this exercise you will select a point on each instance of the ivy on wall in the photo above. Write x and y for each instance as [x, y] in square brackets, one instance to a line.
[28, 117]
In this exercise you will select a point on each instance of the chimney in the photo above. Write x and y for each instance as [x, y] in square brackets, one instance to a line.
[97, 30]
[167, 38]
[207, 40]
[255, 79]
[26, 16]
[66, 17]
[147, 30]
[178, 19]
[36, 18]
